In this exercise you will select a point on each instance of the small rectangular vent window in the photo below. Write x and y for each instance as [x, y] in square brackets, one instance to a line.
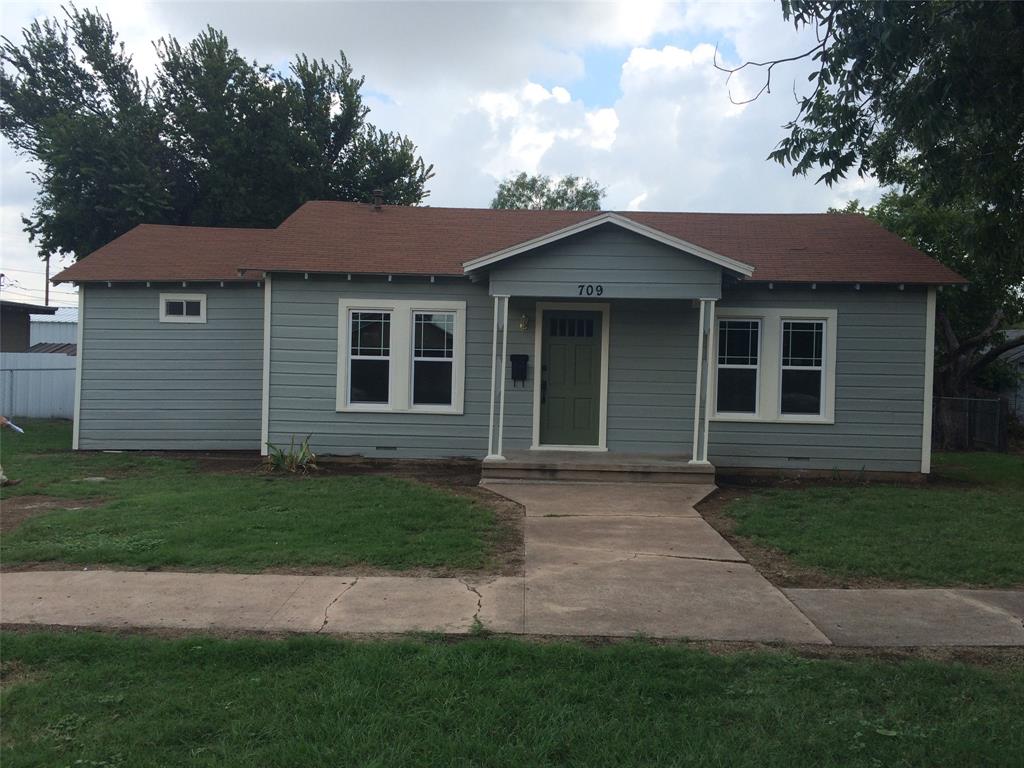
[182, 308]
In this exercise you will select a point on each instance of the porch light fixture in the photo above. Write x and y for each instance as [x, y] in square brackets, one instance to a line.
[524, 323]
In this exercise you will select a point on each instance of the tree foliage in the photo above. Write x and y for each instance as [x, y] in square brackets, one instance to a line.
[539, 192]
[214, 139]
[928, 97]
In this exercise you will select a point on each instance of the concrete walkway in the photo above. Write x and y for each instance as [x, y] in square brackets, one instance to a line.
[601, 559]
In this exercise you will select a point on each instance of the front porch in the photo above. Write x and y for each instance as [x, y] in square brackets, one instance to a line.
[593, 466]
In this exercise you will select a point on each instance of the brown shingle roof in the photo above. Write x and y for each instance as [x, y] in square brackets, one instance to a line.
[354, 237]
[162, 252]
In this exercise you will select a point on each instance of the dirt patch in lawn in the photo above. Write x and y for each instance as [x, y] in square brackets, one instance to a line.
[13, 672]
[773, 564]
[15, 510]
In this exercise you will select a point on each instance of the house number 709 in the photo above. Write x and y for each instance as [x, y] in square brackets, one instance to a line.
[589, 289]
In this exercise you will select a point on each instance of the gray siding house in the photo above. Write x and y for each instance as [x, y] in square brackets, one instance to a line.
[747, 342]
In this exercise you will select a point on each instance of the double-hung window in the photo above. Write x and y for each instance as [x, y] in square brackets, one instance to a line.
[803, 369]
[369, 379]
[401, 355]
[433, 358]
[775, 364]
[739, 354]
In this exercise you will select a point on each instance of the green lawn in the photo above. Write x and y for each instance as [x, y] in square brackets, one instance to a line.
[95, 700]
[968, 528]
[159, 512]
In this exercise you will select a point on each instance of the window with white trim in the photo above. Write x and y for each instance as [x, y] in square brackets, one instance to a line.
[739, 353]
[433, 358]
[401, 355]
[369, 366]
[803, 367]
[788, 375]
[182, 307]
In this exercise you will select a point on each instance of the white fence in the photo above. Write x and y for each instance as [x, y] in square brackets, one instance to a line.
[37, 385]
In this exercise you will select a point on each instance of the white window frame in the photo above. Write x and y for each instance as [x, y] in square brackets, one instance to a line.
[769, 397]
[166, 297]
[400, 370]
[349, 405]
[757, 368]
[825, 356]
[432, 408]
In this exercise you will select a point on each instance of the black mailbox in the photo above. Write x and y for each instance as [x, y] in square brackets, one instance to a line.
[519, 367]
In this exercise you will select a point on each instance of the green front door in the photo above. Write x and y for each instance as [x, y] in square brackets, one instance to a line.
[570, 399]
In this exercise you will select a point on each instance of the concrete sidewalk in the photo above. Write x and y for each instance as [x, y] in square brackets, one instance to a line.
[601, 560]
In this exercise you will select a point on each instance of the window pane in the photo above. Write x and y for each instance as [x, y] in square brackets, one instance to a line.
[192, 308]
[174, 308]
[369, 381]
[434, 334]
[737, 390]
[802, 343]
[801, 391]
[738, 342]
[432, 382]
[371, 334]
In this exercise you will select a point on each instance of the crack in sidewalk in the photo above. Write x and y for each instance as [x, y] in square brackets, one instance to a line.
[336, 599]
[285, 602]
[689, 557]
[479, 602]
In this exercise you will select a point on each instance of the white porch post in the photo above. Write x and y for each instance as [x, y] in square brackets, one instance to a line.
[494, 361]
[694, 457]
[707, 387]
[504, 362]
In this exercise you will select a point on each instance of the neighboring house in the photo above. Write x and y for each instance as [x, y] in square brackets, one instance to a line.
[55, 333]
[32, 385]
[14, 324]
[1015, 359]
[772, 342]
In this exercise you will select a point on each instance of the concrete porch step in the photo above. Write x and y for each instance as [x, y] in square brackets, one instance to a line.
[573, 466]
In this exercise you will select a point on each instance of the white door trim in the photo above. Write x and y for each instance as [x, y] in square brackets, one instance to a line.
[602, 431]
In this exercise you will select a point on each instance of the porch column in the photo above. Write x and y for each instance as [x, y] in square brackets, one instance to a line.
[494, 353]
[495, 452]
[704, 362]
[708, 403]
[695, 453]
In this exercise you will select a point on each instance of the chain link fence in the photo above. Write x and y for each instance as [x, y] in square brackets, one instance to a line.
[970, 423]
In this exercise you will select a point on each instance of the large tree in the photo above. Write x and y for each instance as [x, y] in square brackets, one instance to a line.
[928, 97]
[539, 192]
[213, 139]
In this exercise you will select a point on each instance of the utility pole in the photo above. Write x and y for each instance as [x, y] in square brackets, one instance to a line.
[46, 288]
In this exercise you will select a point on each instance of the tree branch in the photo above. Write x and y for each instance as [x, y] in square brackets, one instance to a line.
[994, 353]
[980, 338]
[770, 64]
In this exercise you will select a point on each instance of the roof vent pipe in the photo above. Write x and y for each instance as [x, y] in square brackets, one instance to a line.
[378, 199]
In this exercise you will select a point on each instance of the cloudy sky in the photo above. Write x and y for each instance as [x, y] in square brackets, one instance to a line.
[625, 93]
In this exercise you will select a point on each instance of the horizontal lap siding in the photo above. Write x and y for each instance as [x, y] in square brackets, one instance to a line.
[651, 376]
[149, 385]
[879, 387]
[625, 264]
[304, 369]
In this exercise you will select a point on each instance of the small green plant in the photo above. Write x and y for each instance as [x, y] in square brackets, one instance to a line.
[297, 459]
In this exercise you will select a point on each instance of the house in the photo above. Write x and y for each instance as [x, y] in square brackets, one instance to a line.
[524, 338]
[54, 333]
[15, 323]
